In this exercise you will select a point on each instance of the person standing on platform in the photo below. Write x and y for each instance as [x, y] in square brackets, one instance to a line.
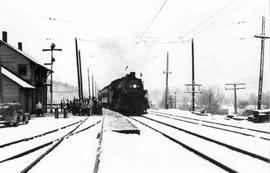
[89, 107]
[39, 110]
[61, 105]
[84, 107]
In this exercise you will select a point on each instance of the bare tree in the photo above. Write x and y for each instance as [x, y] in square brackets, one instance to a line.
[210, 99]
[252, 99]
[184, 103]
[266, 99]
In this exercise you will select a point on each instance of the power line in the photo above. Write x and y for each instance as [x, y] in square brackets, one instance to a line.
[209, 18]
[230, 11]
[225, 49]
[152, 21]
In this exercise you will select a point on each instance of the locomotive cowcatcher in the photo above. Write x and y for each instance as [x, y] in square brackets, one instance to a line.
[125, 95]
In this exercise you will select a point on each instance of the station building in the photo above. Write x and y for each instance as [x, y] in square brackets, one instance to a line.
[23, 78]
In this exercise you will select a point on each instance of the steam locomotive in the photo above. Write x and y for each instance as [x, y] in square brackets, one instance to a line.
[125, 95]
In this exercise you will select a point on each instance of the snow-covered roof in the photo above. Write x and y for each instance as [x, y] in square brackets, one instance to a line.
[25, 55]
[16, 79]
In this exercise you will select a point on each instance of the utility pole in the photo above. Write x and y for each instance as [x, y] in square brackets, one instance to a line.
[93, 88]
[80, 69]
[235, 96]
[166, 86]
[89, 91]
[175, 99]
[193, 84]
[1, 81]
[262, 37]
[51, 64]
[171, 101]
[96, 89]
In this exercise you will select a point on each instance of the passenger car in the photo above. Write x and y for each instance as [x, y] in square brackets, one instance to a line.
[11, 114]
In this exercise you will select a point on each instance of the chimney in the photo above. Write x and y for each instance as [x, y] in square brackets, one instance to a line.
[4, 36]
[20, 46]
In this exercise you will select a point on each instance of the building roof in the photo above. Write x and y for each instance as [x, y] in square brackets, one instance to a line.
[25, 55]
[16, 79]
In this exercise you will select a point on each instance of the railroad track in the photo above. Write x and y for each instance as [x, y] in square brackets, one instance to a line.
[52, 143]
[221, 126]
[225, 156]
[37, 136]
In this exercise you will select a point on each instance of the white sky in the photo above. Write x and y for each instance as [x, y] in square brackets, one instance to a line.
[224, 50]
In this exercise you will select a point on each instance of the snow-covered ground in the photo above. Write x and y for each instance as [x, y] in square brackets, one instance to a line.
[144, 153]
[218, 118]
[68, 148]
[148, 152]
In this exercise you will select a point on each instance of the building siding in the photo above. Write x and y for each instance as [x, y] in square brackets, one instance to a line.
[11, 59]
[11, 92]
[36, 76]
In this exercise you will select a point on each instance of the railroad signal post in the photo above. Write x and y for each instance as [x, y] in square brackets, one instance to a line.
[235, 96]
[51, 64]
[193, 85]
[262, 37]
[166, 86]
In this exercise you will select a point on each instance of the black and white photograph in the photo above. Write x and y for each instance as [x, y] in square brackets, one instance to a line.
[134, 86]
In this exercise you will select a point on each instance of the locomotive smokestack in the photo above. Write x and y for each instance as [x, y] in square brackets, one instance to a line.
[132, 74]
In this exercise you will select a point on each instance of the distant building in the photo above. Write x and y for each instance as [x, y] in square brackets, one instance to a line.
[24, 78]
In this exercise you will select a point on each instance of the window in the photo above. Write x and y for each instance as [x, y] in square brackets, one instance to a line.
[22, 69]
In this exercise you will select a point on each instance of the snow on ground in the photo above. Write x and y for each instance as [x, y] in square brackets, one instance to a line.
[37, 125]
[252, 144]
[218, 118]
[41, 125]
[148, 152]
[75, 154]
[233, 159]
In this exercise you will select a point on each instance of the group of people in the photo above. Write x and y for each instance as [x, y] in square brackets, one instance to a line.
[76, 106]
[82, 107]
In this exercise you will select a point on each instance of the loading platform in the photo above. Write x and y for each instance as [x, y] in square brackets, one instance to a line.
[116, 122]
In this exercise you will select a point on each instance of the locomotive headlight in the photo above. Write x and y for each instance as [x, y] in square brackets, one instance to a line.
[134, 86]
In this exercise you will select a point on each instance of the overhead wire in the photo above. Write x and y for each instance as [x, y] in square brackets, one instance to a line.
[199, 28]
[222, 16]
[151, 22]
[225, 49]
[208, 19]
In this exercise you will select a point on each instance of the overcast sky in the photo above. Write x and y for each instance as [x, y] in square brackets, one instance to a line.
[118, 33]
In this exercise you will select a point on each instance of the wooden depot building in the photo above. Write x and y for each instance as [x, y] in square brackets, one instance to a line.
[23, 78]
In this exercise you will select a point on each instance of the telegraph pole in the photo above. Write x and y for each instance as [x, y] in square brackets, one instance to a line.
[89, 91]
[262, 37]
[171, 101]
[175, 99]
[93, 92]
[80, 69]
[193, 84]
[166, 86]
[235, 96]
[51, 64]
[1, 81]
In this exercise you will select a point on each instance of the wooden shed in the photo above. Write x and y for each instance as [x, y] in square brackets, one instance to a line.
[23, 78]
